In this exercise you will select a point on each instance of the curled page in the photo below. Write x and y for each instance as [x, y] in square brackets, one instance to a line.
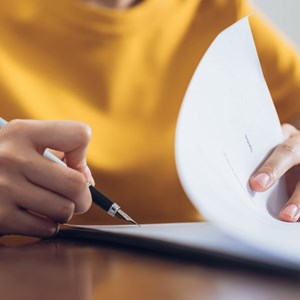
[226, 127]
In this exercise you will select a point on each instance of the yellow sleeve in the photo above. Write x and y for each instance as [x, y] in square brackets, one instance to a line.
[280, 63]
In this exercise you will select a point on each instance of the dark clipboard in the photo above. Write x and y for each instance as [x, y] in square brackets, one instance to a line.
[166, 249]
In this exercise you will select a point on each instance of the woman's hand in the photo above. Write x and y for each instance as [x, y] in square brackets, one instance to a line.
[35, 193]
[284, 159]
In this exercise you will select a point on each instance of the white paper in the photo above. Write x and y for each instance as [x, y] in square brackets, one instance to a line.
[226, 127]
[198, 235]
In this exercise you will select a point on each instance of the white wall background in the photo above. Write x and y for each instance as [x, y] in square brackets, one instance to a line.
[284, 14]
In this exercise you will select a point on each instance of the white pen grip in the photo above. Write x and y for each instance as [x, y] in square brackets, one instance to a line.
[54, 158]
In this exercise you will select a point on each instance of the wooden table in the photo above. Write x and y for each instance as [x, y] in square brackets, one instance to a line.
[56, 269]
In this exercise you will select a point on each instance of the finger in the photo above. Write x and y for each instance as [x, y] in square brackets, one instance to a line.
[24, 223]
[59, 179]
[86, 173]
[284, 157]
[291, 211]
[288, 131]
[70, 137]
[45, 203]
[63, 136]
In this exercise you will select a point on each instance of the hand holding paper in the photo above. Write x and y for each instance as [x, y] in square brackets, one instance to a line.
[228, 100]
[283, 158]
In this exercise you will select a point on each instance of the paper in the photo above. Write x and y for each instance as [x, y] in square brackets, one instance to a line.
[197, 236]
[227, 126]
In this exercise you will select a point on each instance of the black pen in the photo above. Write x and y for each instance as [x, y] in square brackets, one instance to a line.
[113, 209]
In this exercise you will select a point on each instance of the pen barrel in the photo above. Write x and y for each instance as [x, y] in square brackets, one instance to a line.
[100, 199]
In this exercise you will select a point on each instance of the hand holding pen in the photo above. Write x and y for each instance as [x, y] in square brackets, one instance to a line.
[36, 194]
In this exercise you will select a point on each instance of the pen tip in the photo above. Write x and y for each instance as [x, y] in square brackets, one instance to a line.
[122, 215]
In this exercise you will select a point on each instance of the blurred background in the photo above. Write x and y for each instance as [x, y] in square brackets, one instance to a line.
[284, 14]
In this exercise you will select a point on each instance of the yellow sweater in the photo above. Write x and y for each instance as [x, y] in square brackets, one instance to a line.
[125, 74]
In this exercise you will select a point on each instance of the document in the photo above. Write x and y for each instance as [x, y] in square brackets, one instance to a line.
[226, 127]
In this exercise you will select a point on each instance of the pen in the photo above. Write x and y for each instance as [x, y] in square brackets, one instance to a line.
[113, 209]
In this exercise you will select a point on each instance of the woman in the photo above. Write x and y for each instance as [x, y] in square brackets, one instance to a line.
[123, 70]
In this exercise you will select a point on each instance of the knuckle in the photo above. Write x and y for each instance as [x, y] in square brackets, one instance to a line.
[76, 182]
[79, 193]
[66, 211]
[287, 126]
[85, 204]
[4, 219]
[13, 160]
[83, 132]
[6, 157]
[79, 182]
[16, 123]
[290, 129]
[17, 126]
[6, 188]
[289, 149]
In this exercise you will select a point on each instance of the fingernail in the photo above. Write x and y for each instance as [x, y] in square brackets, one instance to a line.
[290, 210]
[88, 175]
[262, 179]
